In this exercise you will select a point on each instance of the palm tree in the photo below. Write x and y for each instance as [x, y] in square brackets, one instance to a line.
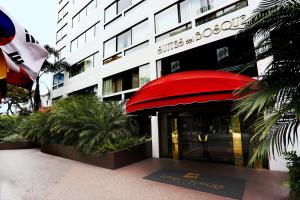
[274, 101]
[48, 67]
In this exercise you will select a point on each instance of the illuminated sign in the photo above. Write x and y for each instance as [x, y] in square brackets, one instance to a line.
[234, 24]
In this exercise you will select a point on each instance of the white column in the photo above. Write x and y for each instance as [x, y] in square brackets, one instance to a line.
[279, 163]
[155, 137]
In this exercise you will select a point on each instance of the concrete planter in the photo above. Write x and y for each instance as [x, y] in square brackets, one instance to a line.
[294, 195]
[109, 160]
[18, 145]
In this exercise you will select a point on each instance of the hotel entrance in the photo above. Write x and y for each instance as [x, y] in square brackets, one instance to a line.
[207, 135]
[194, 115]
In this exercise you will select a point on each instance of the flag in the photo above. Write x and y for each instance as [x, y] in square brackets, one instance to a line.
[3, 75]
[22, 53]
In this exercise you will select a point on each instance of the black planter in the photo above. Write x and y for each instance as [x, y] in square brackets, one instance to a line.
[18, 145]
[294, 195]
[109, 160]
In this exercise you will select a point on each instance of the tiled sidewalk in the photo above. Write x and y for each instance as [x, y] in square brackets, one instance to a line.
[30, 174]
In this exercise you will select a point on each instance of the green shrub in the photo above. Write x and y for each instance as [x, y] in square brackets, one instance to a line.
[16, 137]
[8, 126]
[123, 143]
[92, 126]
[36, 128]
[294, 170]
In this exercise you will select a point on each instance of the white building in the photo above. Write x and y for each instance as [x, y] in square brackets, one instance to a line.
[117, 46]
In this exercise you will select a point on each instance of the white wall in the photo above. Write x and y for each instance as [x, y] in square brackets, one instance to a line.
[279, 163]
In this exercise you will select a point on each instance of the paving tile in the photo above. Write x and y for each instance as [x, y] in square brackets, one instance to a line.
[32, 175]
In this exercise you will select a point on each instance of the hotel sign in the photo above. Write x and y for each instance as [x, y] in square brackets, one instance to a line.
[233, 24]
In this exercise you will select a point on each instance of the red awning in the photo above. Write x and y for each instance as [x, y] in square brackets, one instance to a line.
[186, 88]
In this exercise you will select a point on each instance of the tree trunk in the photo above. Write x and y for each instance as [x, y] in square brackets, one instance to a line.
[37, 97]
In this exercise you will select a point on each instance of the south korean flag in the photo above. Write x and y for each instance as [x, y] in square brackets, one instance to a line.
[23, 54]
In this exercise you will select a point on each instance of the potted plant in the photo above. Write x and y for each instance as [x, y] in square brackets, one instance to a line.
[293, 164]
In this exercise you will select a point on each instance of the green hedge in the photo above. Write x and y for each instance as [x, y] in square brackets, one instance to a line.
[294, 170]
[9, 129]
[83, 121]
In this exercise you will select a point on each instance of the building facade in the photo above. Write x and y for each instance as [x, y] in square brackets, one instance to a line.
[117, 46]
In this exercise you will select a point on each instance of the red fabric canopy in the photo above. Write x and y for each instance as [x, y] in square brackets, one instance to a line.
[187, 88]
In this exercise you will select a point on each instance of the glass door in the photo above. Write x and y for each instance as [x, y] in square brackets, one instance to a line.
[206, 136]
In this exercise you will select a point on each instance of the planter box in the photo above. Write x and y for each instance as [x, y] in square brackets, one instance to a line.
[109, 160]
[294, 195]
[18, 145]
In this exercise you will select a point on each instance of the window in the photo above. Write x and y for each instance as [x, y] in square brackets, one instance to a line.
[133, 36]
[144, 75]
[167, 19]
[58, 80]
[117, 7]
[183, 12]
[108, 86]
[88, 90]
[136, 8]
[89, 63]
[222, 12]
[84, 65]
[81, 40]
[110, 47]
[118, 84]
[96, 59]
[191, 8]
[74, 44]
[135, 78]
[85, 37]
[63, 12]
[61, 33]
[127, 80]
[140, 32]
[124, 40]
[112, 85]
[62, 53]
[89, 8]
[123, 4]
[215, 3]
[173, 32]
[75, 19]
[110, 12]
[90, 34]
[136, 48]
[76, 69]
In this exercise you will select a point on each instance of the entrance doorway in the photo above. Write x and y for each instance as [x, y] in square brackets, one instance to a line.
[212, 136]
[205, 137]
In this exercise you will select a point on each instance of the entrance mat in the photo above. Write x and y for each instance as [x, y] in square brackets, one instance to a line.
[220, 185]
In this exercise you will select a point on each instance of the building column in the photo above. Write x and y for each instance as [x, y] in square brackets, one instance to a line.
[155, 136]
[237, 141]
[175, 139]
